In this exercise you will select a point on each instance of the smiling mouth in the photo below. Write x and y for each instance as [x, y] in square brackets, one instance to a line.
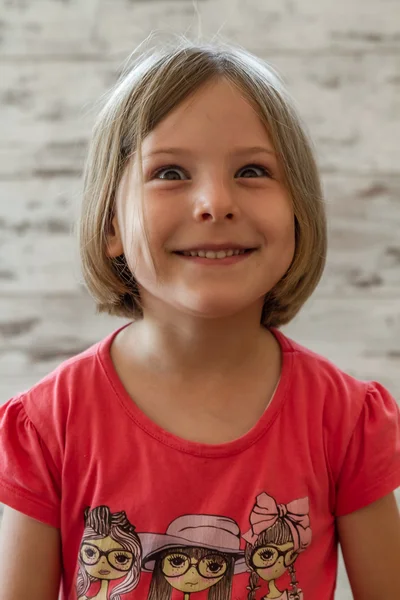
[214, 254]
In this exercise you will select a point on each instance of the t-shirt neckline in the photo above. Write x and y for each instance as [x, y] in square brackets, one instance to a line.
[187, 446]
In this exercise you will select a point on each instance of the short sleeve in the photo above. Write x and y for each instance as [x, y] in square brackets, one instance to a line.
[371, 468]
[29, 481]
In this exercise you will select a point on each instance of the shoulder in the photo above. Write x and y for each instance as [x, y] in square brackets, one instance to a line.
[56, 395]
[317, 375]
[336, 400]
[359, 421]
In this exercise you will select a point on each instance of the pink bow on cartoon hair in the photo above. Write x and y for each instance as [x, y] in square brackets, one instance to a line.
[266, 512]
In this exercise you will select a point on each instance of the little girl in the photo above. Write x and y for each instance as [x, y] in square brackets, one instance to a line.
[203, 224]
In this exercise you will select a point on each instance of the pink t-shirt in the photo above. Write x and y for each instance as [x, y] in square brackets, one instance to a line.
[145, 514]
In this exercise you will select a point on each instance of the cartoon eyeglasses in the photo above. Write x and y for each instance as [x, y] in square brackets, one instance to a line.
[121, 560]
[267, 556]
[210, 566]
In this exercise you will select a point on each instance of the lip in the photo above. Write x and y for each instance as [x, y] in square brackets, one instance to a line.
[104, 572]
[217, 247]
[216, 262]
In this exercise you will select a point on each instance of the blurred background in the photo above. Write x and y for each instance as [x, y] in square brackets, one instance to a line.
[340, 61]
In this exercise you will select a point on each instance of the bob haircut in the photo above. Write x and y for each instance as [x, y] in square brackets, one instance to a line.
[154, 83]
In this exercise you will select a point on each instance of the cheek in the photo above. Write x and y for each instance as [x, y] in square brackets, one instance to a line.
[272, 573]
[94, 571]
[210, 582]
[163, 215]
[113, 573]
[281, 222]
[179, 583]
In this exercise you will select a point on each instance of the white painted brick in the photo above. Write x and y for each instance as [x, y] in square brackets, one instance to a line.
[359, 334]
[103, 27]
[47, 27]
[351, 105]
[38, 250]
[260, 25]
[38, 332]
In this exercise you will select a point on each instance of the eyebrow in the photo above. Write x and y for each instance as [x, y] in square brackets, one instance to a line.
[240, 151]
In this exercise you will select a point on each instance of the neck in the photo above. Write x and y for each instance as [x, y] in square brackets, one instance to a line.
[188, 345]
[273, 591]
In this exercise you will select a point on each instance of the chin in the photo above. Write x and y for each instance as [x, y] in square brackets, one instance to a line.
[214, 310]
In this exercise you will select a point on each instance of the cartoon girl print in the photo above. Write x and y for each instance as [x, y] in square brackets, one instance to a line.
[197, 553]
[110, 550]
[278, 534]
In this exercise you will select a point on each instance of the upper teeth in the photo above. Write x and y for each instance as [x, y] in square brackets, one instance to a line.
[212, 254]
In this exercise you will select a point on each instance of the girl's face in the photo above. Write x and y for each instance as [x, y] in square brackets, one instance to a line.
[188, 574]
[106, 558]
[212, 185]
[271, 561]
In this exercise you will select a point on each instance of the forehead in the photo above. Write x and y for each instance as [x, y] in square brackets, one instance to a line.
[193, 551]
[106, 543]
[282, 547]
[214, 118]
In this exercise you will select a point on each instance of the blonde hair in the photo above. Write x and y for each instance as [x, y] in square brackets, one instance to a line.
[153, 85]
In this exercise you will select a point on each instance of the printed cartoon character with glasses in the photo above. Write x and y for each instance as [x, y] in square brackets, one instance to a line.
[197, 553]
[110, 550]
[278, 533]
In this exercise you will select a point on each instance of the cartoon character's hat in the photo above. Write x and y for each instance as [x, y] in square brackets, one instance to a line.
[201, 531]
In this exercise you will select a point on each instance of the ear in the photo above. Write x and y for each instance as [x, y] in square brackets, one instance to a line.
[114, 241]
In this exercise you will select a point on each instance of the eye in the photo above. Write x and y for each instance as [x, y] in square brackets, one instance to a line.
[266, 555]
[177, 561]
[89, 554]
[169, 173]
[253, 171]
[176, 564]
[122, 559]
[214, 566]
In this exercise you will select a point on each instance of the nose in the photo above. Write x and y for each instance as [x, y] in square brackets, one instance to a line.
[215, 201]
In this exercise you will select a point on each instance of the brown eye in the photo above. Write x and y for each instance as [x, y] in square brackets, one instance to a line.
[253, 171]
[170, 173]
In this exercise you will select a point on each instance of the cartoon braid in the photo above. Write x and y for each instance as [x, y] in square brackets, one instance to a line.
[253, 586]
[294, 594]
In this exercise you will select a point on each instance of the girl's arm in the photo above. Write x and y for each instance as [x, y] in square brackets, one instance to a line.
[370, 540]
[29, 558]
